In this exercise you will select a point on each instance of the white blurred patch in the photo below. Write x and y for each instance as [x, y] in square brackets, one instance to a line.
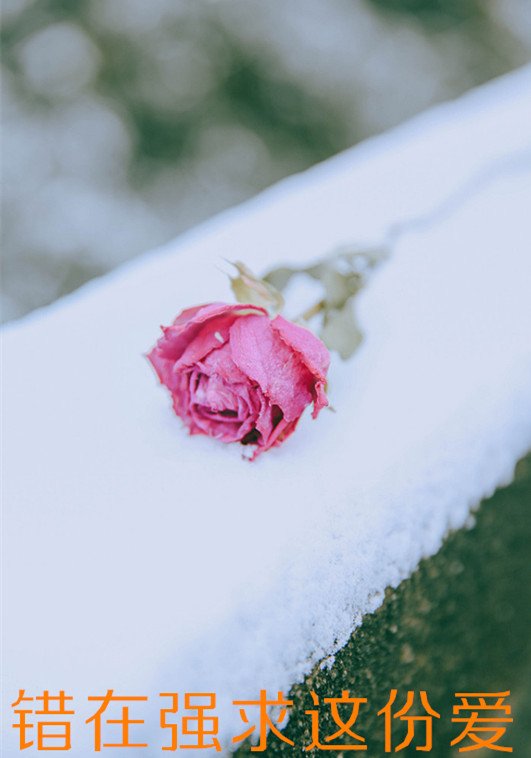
[59, 60]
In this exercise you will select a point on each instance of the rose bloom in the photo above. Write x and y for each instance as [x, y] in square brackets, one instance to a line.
[239, 376]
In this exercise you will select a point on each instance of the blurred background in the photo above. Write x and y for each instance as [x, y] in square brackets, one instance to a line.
[127, 121]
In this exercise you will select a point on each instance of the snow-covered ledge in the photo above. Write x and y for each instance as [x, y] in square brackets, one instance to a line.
[140, 559]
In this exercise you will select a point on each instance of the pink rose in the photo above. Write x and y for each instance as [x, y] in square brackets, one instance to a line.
[239, 376]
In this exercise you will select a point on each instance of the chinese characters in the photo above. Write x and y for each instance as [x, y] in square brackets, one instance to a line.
[189, 721]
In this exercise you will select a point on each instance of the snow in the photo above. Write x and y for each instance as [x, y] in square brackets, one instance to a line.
[142, 559]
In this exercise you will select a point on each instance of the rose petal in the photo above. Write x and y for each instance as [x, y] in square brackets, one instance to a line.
[320, 400]
[221, 410]
[312, 351]
[211, 336]
[214, 394]
[310, 348]
[265, 358]
[221, 362]
[163, 368]
[176, 338]
[280, 433]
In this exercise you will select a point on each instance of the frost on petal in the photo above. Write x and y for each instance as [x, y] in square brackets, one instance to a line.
[264, 357]
[312, 351]
[310, 348]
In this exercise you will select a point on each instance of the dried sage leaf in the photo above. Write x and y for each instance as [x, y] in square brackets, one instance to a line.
[340, 331]
[248, 288]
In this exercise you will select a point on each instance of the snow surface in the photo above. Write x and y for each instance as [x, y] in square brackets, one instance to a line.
[140, 559]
